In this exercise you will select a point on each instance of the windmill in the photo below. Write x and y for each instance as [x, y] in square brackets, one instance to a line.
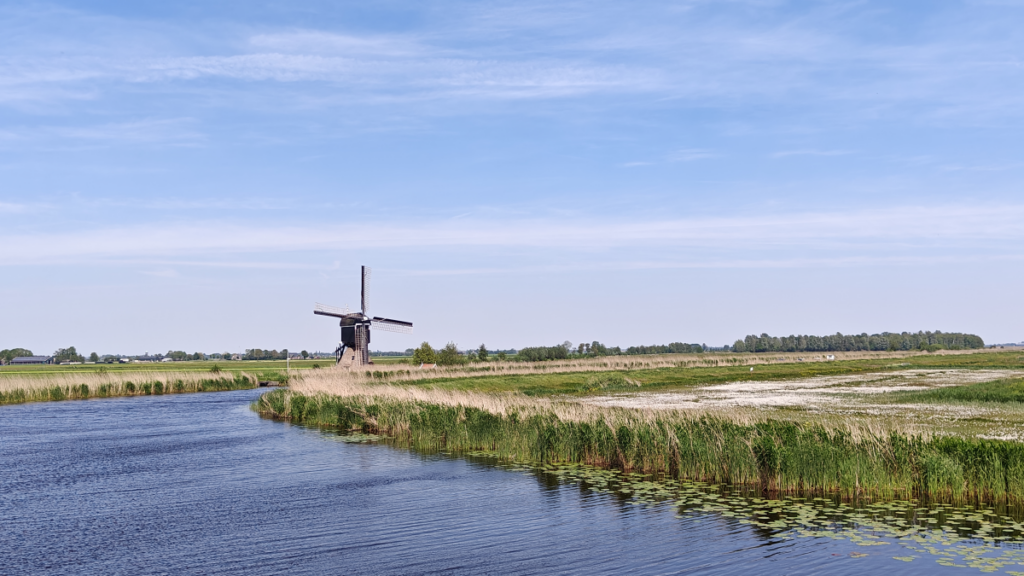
[354, 347]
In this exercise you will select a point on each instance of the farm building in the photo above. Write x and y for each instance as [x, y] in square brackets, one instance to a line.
[33, 360]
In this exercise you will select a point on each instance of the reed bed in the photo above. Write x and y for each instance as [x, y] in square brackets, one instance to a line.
[77, 386]
[828, 455]
[405, 373]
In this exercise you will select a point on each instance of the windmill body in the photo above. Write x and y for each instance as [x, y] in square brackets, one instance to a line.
[354, 347]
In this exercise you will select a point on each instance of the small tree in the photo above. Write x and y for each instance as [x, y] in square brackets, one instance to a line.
[305, 354]
[449, 356]
[502, 356]
[424, 354]
[482, 353]
[94, 357]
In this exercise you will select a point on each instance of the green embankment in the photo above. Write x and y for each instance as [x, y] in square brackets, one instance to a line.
[772, 455]
[139, 387]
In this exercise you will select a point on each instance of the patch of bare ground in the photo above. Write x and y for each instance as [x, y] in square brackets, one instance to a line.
[849, 395]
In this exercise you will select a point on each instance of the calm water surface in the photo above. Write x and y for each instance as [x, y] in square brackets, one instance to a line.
[198, 484]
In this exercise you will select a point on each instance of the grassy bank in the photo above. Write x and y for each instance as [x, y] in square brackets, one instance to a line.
[80, 386]
[740, 448]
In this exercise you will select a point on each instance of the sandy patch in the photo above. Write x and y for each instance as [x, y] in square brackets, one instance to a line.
[821, 393]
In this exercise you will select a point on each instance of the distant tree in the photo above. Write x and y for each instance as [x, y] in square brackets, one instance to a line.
[481, 353]
[502, 356]
[226, 355]
[94, 357]
[471, 356]
[8, 355]
[424, 354]
[67, 355]
[305, 354]
[449, 356]
[580, 348]
[198, 356]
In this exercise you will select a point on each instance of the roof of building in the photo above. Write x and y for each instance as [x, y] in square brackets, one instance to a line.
[31, 359]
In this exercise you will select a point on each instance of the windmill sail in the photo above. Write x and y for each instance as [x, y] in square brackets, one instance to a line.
[325, 310]
[365, 292]
[389, 325]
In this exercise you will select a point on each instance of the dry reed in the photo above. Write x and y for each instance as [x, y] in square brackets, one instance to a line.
[16, 389]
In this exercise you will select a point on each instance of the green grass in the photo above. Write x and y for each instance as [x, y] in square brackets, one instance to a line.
[668, 378]
[1008, 390]
[773, 455]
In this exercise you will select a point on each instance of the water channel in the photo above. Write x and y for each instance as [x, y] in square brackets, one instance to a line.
[198, 484]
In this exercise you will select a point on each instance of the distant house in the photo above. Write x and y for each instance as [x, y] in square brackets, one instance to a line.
[33, 360]
[830, 357]
[236, 356]
[424, 365]
[294, 356]
[168, 360]
[147, 358]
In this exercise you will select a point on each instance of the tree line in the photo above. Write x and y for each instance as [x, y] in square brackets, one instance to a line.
[886, 341]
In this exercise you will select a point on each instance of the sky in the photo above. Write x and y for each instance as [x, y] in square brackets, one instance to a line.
[196, 175]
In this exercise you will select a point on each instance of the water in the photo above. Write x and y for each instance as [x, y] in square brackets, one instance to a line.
[198, 484]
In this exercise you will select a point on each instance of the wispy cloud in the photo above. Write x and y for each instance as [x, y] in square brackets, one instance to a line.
[811, 152]
[12, 208]
[690, 154]
[848, 234]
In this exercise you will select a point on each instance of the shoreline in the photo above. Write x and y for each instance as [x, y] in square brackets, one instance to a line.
[833, 457]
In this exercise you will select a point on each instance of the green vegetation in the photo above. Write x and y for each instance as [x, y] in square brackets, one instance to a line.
[235, 366]
[850, 343]
[1009, 390]
[424, 354]
[105, 386]
[674, 377]
[773, 456]
[7, 355]
[67, 355]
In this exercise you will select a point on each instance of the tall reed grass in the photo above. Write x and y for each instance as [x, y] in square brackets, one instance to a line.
[75, 386]
[737, 447]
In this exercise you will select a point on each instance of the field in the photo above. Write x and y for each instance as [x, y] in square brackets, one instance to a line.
[927, 425]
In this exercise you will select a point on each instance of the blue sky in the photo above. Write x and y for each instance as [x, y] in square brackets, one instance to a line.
[195, 175]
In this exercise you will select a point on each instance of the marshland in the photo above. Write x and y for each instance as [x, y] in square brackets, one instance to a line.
[877, 459]
[936, 426]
